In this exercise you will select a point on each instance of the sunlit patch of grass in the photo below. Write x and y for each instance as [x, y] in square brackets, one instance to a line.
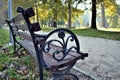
[109, 29]
[47, 29]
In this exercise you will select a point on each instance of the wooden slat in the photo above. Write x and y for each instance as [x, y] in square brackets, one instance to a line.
[19, 17]
[72, 53]
[49, 60]
[13, 26]
[35, 26]
[15, 32]
[23, 35]
[51, 63]
[71, 57]
[21, 27]
[28, 45]
[18, 26]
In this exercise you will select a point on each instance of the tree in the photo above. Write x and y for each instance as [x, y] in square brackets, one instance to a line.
[111, 12]
[60, 7]
[56, 10]
[93, 19]
[103, 14]
[36, 9]
[69, 4]
[43, 11]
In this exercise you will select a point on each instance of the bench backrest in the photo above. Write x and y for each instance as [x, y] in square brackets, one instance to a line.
[21, 26]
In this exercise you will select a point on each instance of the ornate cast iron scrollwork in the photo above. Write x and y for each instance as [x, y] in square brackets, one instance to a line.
[64, 37]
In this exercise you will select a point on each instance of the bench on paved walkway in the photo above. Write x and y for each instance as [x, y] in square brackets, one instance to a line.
[56, 51]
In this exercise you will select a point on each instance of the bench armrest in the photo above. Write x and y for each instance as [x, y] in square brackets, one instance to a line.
[61, 43]
[84, 55]
[41, 35]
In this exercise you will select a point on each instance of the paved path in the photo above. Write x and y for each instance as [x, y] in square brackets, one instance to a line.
[103, 62]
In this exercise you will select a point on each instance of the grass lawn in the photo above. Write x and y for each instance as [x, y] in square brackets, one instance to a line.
[16, 67]
[4, 36]
[97, 33]
[93, 33]
[22, 67]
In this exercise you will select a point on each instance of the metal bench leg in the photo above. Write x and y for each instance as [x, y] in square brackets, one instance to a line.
[14, 47]
[40, 64]
[40, 71]
[64, 74]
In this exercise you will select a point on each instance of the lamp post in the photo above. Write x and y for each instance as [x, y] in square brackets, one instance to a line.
[9, 17]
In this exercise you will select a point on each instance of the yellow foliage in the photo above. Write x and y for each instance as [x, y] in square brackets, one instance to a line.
[42, 13]
[111, 9]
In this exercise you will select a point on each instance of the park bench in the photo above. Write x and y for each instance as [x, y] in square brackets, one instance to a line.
[57, 51]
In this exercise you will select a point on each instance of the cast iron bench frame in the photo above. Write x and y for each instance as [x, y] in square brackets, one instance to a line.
[54, 57]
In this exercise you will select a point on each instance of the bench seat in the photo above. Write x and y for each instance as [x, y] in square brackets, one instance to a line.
[51, 63]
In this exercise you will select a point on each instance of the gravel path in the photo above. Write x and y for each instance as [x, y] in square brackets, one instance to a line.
[103, 62]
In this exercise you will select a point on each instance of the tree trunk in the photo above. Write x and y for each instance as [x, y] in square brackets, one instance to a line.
[93, 19]
[54, 21]
[36, 6]
[103, 15]
[41, 23]
[69, 16]
[54, 24]
[49, 22]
